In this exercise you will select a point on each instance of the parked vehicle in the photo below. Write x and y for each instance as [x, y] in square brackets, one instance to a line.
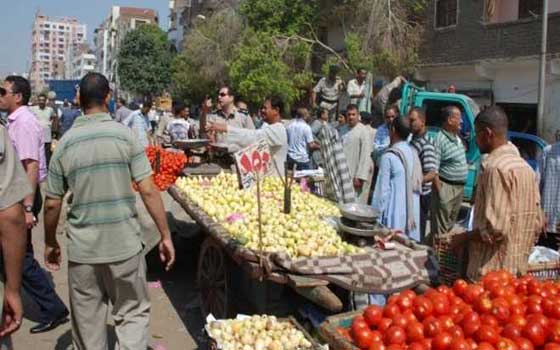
[530, 146]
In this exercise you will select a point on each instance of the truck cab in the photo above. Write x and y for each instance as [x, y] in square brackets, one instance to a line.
[530, 146]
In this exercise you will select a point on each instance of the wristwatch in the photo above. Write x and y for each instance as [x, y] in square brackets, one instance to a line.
[28, 208]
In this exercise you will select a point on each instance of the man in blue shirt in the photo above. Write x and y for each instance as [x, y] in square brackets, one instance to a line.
[69, 113]
[382, 138]
[300, 141]
[139, 122]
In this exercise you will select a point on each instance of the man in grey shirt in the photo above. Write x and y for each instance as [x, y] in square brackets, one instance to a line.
[122, 111]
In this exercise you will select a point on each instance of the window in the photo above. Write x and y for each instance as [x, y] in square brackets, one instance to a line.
[446, 13]
[528, 8]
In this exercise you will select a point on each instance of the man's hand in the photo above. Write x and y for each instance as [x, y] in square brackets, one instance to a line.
[458, 242]
[30, 220]
[216, 127]
[53, 256]
[358, 183]
[436, 184]
[11, 314]
[167, 253]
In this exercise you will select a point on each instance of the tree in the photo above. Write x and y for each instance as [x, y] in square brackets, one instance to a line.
[144, 61]
[202, 65]
[280, 16]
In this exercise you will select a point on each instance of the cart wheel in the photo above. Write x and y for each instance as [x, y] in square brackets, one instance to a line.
[212, 280]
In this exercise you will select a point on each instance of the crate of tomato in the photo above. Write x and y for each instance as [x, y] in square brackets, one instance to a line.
[500, 312]
[166, 165]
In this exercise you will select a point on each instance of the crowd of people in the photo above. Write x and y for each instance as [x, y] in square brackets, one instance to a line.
[408, 176]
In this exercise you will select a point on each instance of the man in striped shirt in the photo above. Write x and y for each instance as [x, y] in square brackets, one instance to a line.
[448, 185]
[507, 213]
[427, 154]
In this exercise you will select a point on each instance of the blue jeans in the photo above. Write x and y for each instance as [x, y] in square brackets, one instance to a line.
[299, 165]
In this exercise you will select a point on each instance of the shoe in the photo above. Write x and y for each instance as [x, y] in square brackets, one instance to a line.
[47, 326]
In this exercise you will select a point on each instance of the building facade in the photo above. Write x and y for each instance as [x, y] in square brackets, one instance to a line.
[51, 39]
[489, 49]
[109, 35]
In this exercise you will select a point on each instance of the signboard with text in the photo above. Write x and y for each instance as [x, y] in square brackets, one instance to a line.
[252, 160]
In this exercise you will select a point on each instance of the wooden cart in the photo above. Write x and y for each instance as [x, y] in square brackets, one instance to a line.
[218, 252]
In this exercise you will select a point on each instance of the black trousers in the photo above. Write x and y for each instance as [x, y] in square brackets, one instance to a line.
[425, 201]
[35, 280]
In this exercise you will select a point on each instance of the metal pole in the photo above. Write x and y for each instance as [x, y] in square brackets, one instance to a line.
[542, 70]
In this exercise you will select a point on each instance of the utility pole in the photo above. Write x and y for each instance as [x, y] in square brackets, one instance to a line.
[542, 70]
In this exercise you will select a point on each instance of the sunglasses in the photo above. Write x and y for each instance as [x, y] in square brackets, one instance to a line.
[222, 94]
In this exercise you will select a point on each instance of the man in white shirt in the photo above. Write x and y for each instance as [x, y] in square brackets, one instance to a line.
[273, 131]
[46, 116]
[327, 92]
[360, 91]
[179, 128]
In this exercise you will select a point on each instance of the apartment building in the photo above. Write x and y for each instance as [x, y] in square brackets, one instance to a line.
[80, 61]
[109, 35]
[52, 38]
[489, 49]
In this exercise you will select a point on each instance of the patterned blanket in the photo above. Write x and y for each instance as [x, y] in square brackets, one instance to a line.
[374, 271]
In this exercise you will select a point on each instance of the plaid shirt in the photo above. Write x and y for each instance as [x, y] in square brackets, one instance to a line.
[338, 178]
[549, 168]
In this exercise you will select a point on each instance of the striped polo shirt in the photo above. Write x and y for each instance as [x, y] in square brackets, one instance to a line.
[451, 160]
[96, 160]
[427, 154]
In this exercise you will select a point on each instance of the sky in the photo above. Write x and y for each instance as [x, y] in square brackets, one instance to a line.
[16, 21]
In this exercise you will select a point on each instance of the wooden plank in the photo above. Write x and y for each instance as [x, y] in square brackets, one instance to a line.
[296, 281]
[322, 296]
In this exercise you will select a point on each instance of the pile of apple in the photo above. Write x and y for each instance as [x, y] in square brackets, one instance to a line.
[499, 313]
[302, 233]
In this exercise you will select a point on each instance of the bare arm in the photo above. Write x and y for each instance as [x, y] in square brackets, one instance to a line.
[32, 171]
[53, 254]
[313, 102]
[13, 238]
[152, 200]
[429, 177]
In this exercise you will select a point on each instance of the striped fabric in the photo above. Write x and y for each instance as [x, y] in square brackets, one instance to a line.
[340, 186]
[507, 214]
[549, 167]
[450, 157]
[97, 160]
[427, 154]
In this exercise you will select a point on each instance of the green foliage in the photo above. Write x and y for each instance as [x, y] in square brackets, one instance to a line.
[357, 58]
[280, 16]
[258, 70]
[144, 61]
[202, 65]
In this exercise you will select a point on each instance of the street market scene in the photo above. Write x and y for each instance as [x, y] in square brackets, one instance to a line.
[280, 175]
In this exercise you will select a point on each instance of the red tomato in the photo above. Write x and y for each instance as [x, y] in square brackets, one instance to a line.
[473, 344]
[446, 322]
[485, 346]
[535, 333]
[416, 346]
[470, 323]
[414, 332]
[518, 309]
[552, 346]
[377, 336]
[487, 334]
[384, 324]
[534, 307]
[473, 292]
[400, 320]
[511, 331]
[363, 338]
[391, 310]
[373, 315]
[377, 345]
[500, 311]
[540, 319]
[409, 314]
[432, 327]
[442, 341]
[456, 332]
[506, 344]
[441, 305]
[524, 344]
[404, 302]
[427, 342]
[445, 290]
[456, 313]
[518, 321]
[460, 287]
[395, 335]
[489, 320]
[554, 332]
[358, 324]
[422, 307]
[460, 344]
[396, 347]
[483, 305]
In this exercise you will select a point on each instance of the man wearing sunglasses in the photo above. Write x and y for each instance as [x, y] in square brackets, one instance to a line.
[229, 114]
[27, 138]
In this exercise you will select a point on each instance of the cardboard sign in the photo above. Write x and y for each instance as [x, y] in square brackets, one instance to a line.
[251, 160]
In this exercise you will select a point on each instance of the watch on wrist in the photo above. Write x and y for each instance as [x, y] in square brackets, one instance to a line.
[28, 208]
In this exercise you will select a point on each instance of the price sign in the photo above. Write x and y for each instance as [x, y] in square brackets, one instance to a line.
[252, 161]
